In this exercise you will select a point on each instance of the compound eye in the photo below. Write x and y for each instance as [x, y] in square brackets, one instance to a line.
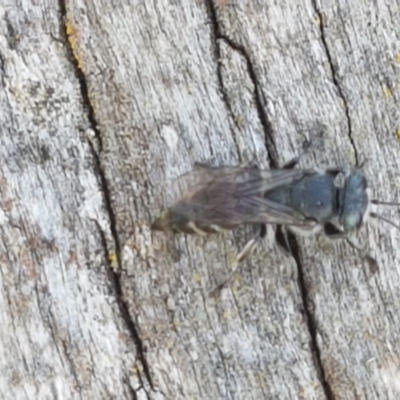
[351, 222]
[354, 201]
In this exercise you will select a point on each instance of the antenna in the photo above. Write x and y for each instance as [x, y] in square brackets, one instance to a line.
[374, 215]
[385, 203]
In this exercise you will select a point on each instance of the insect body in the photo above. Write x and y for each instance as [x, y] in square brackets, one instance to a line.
[302, 200]
[305, 200]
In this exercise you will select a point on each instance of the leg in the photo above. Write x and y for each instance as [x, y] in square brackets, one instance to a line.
[364, 255]
[310, 227]
[291, 163]
[333, 233]
[249, 164]
[247, 249]
[334, 171]
[308, 145]
[282, 240]
[294, 161]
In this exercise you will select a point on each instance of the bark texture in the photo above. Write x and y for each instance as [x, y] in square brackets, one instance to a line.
[102, 103]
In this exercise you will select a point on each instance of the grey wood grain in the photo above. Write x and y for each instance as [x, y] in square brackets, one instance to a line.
[102, 105]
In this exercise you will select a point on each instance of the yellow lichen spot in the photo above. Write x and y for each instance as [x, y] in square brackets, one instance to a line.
[90, 98]
[397, 58]
[231, 258]
[72, 37]
[397, 134]
[387, 91]
[227, 315]
[69, 28]
[197, 277]
[22, 251]
[238, 277]
[317, 20]
[113, 260]
[175, 323]
[316, 384]
[261, 380]
[136, 370]
[239, 120]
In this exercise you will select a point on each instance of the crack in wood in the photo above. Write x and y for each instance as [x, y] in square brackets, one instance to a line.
[115, 278]
[131, 391]
[261, 102]
[335, 79]
[309, 316]
[217, 56]
[2, 70]
[71, 54]
[114, 275]
[259, 98]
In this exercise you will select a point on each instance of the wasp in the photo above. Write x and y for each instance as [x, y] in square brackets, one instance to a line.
[305, 201]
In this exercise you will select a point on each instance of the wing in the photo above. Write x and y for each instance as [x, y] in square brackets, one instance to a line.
[230, 196]
[248, 180]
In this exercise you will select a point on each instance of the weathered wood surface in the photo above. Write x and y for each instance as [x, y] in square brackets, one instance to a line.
[100, 104]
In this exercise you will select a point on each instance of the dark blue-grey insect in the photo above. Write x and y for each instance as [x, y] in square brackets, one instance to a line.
[302, 200]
